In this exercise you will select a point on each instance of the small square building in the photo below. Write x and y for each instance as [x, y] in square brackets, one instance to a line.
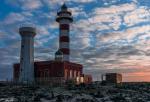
[113, 78]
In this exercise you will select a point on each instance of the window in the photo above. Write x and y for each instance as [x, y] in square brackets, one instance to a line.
[46, 73]
[70, 73]
[74, 73]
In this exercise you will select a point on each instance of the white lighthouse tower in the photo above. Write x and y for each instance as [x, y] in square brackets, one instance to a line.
[64, 18]
[27, 55]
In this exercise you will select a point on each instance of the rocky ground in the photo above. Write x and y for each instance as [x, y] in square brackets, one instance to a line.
[127, 92]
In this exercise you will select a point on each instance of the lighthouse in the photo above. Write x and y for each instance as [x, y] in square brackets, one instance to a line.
[64, 18]
[50, 72]
[27, 55]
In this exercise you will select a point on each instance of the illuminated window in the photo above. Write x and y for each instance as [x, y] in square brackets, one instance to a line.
[70, 73]
[82, 80]
[66, 73]
[74, 74]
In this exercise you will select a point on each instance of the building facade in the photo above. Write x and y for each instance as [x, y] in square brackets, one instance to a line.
[53, 71]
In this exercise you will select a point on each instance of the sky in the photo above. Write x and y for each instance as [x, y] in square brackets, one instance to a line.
[106, 35]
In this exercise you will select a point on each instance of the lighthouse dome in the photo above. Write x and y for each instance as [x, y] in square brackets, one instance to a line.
[59, 52]
[59, 55]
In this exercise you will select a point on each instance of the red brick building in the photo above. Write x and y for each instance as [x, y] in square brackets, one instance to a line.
[54, 71]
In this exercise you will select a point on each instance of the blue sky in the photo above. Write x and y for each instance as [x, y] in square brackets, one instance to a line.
[106, 35]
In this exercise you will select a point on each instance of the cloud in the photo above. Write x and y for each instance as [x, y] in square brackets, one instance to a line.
[136, 16]
[114, 9]
[31, 4]
[13, 18]
[77, 11]
[128, 34]
[8, 57]
[26, 4]
[85, 1]
[112, 15]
